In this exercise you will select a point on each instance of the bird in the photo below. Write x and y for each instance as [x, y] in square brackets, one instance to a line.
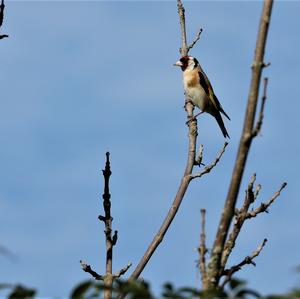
[199, 90]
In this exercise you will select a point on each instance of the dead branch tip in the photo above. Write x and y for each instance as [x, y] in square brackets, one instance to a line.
[246, 261]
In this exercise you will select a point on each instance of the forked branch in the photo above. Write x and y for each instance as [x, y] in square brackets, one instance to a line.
[122, 271]
[246, 261]
[265, 205]
[240, 217]
[185, 48]
[242, 214]
[208, 168]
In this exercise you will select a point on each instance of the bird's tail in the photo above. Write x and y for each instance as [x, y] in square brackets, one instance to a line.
[222, 110]
[221, 125]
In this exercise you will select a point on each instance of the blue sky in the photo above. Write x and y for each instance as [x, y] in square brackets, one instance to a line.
[81, 78]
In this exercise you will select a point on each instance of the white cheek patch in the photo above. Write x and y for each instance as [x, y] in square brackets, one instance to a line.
[191, 65]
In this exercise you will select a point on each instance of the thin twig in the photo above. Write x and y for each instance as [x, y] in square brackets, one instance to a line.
[202, 250]
[87, 268]
[264, 206]
[214, 265]
[246, 261]
[243, 214]
[259, 122]
[122, 271]
[193, 43]
[240, 216]
[208, 168]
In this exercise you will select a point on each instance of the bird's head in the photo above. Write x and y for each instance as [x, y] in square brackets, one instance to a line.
[187, 63]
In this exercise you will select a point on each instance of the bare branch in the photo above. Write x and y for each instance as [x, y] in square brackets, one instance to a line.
[111, 241]
[176, 203]
[87, 268]
[243, 214]
[264, 206]
[208, 168]
[202, 250]
[214, 265]
[107, 218]
[122, 271]
[185, 48]
[259, 122]
[246, 261]
[193, 43]
[181, 12]
[240, 216]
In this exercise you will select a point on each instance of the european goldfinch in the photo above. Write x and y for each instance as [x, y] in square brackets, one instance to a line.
[199, 90]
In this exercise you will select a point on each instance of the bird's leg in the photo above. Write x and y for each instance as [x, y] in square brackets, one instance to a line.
[194, 117]
[198, 114]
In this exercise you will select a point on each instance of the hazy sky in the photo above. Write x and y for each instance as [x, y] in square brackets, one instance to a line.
[80, 78]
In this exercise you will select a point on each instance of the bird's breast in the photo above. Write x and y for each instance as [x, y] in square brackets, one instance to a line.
[194, 90]
[198, 96]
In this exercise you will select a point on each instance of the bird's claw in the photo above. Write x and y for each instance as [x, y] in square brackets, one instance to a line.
[190, 120]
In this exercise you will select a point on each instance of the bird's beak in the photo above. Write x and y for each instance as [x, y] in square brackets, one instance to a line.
[178, 63]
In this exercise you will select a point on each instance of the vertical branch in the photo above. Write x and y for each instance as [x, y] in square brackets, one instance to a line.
[110, 240]
[181, 11]
[107, 219]
[214, 267]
